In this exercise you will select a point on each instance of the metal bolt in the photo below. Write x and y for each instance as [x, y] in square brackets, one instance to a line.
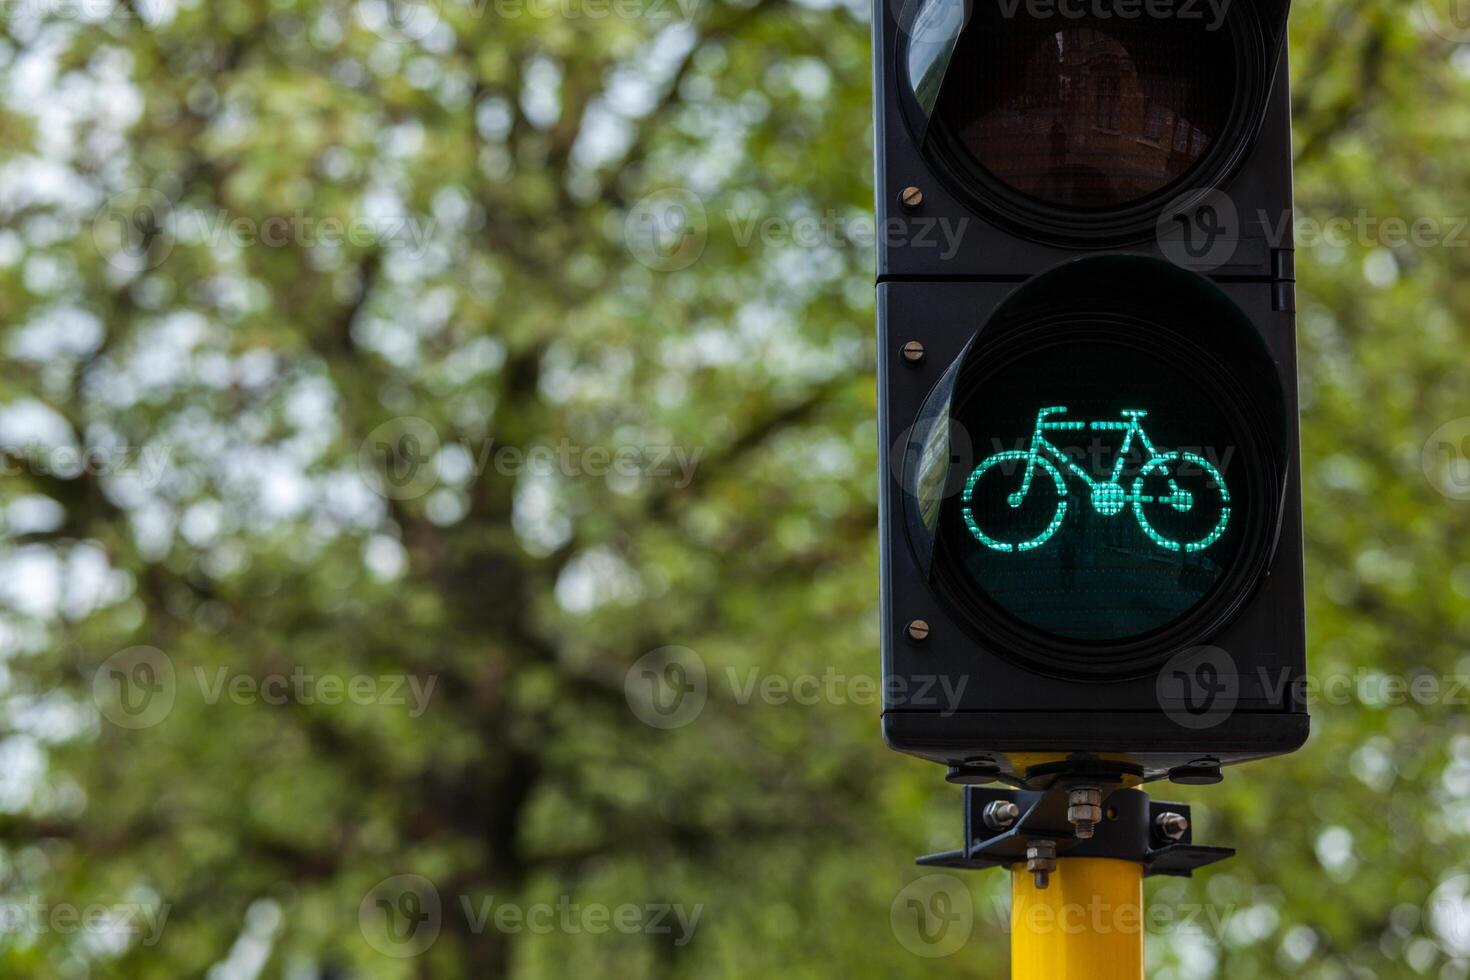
[1084, 810]
[1001, 814]
[1172, 826]
[913, 352]
[1041, 860]
[918, 631]
[911, 197]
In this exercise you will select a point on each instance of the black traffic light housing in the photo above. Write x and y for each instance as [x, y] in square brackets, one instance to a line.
[969, 225]
[1114, 633]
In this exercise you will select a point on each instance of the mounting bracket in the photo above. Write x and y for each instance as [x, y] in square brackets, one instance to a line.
[1133, 827]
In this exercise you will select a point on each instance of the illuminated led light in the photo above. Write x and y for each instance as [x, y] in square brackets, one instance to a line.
[967, 498]
[1182, 501]
[1109, 498]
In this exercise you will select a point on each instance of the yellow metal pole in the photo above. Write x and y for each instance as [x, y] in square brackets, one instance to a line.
[1087, 924]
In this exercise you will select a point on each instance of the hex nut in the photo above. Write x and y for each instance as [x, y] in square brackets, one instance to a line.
[1001, 815]
[1084, 810]
[1172, 826]
[1041, 861]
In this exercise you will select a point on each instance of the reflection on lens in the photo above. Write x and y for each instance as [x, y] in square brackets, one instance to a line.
[1087, 113]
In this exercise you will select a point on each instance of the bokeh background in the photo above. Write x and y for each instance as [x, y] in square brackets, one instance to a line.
[350, 355]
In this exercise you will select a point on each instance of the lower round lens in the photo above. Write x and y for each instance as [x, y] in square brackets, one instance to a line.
[1106, 498]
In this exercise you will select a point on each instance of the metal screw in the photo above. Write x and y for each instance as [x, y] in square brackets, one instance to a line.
[1084, 810]
[1001, 814]
[913, 352]
[911, 197]
[1172, 826]
[1041, 860]
[918, 631]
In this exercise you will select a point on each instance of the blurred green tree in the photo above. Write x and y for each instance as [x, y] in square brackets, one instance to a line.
[403, 401]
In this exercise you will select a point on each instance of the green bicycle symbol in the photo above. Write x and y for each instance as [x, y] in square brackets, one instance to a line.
[1109, 497]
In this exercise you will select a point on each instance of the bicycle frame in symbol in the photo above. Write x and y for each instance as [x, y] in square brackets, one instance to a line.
[1109, 497]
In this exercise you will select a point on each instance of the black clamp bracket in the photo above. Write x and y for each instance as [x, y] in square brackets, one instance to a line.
[1009, 827]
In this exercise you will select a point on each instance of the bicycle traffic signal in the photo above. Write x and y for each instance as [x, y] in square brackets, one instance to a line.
[1092, 516]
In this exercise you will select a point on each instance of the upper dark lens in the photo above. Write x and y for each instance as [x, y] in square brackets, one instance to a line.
[1088, 112]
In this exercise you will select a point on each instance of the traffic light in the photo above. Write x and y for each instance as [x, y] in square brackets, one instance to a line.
[1092, 515]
